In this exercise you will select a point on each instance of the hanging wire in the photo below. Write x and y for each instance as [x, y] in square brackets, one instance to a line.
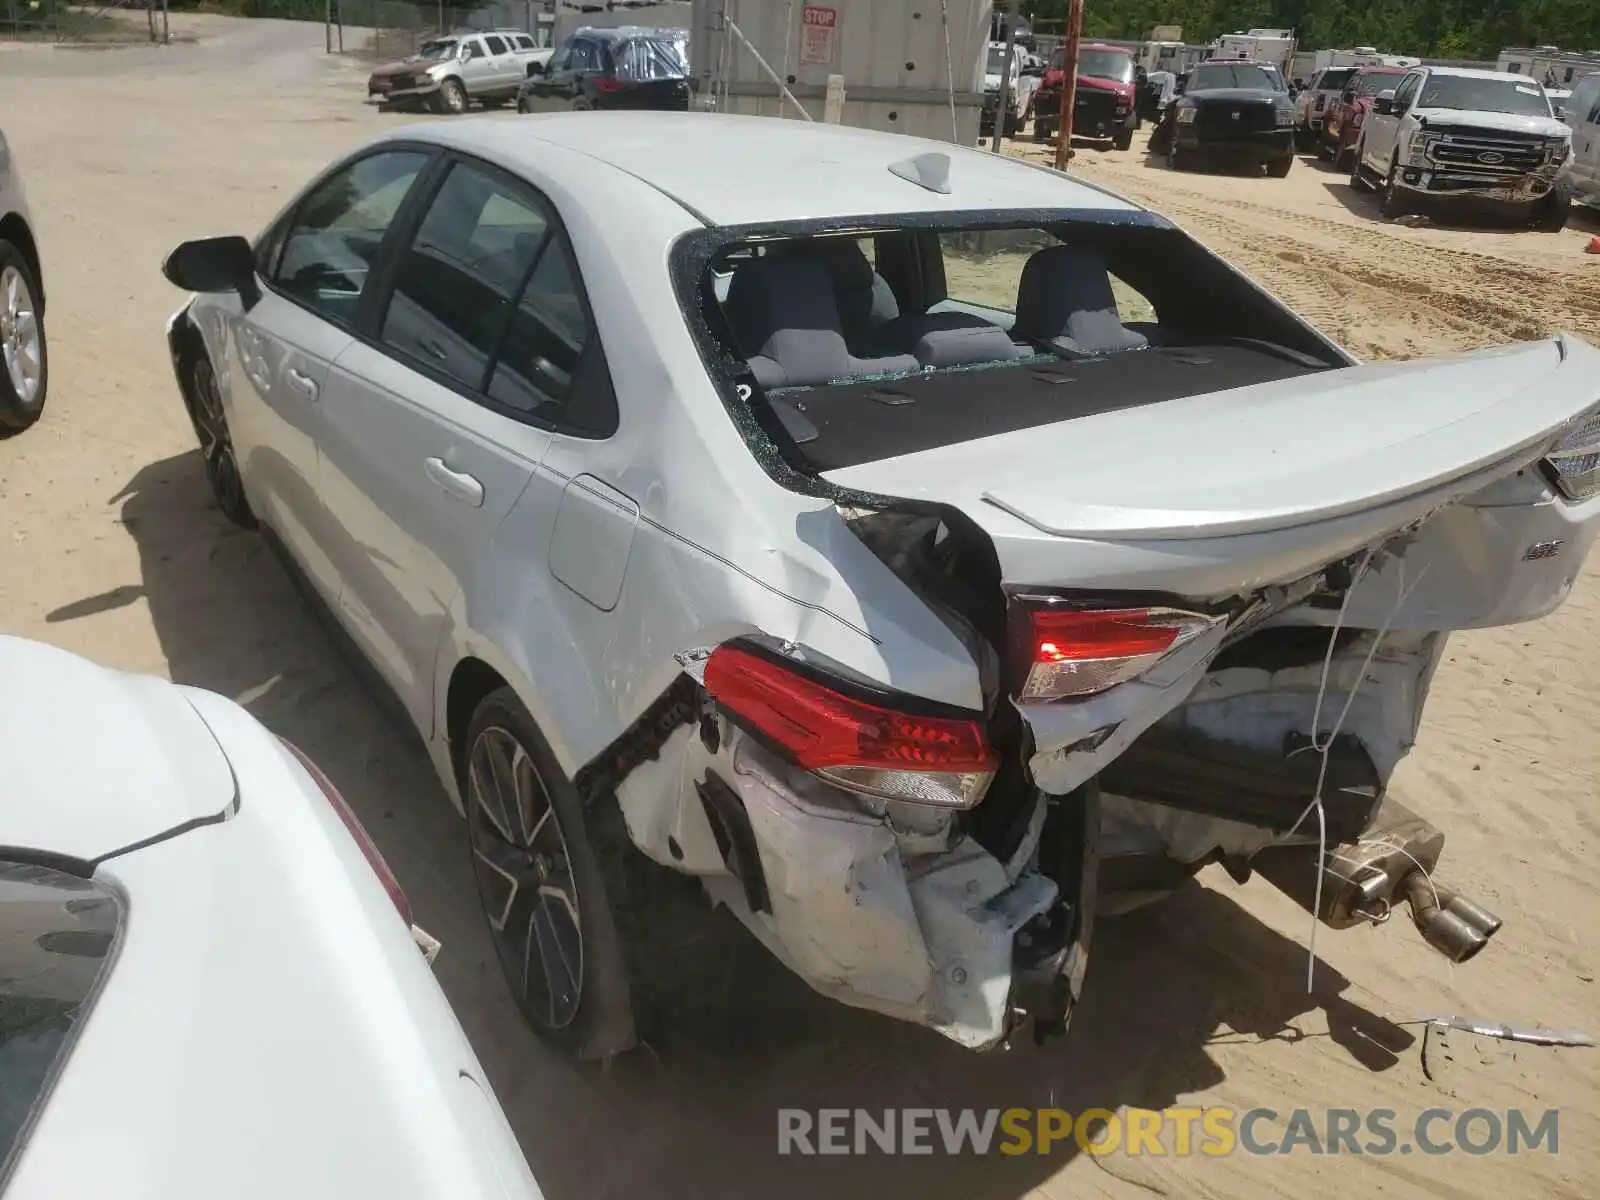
[1323, 749]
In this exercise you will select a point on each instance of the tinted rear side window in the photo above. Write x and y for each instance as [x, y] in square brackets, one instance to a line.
[57, 938]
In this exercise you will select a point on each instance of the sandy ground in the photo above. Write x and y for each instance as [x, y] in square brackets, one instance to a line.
[110, 545]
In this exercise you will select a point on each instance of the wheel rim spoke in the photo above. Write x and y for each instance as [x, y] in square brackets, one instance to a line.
[525, 879]
[21, 342]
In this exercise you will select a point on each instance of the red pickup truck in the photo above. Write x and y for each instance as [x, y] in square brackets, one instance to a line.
[1341, 124]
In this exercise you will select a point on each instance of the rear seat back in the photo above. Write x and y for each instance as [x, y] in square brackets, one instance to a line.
[785, 316]
[1065, 298]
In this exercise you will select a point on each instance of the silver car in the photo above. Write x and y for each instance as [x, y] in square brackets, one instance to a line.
[915, 553]
[26, 378]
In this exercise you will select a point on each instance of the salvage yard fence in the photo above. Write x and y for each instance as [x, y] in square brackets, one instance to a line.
[106, 23]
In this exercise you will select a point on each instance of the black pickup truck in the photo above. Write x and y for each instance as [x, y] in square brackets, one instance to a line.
[1235, 111]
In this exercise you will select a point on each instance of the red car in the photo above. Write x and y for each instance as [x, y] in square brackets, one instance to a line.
[1341, 124]
[1104, 105]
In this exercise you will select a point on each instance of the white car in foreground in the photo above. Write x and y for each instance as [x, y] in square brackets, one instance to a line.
[911, 543]
[205, 986]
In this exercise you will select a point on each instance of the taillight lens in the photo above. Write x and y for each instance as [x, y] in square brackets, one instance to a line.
[1575, 462]
[1080, 651]
[900, 752]
[608, 83]
[369, 851]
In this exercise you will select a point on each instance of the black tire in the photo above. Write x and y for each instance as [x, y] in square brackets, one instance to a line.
[26, 350]
[1550, 214]
[1324, 151]
[451, 97]
[1303, 137]
[567, 859]
[1358, 175]
[203, 398]
[1392, 201]
[1279, 168]
[1178, 159]
[1124, 140]
[582, 104]
[1042, 130]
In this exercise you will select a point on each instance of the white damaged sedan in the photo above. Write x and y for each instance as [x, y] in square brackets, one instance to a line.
[912, 544]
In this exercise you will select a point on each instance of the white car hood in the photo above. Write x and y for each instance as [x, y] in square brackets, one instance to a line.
[95, 760]
[1448, 118]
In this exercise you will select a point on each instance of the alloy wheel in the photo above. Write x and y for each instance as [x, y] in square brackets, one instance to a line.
[525, 878]
[216, 445]
[21, 343]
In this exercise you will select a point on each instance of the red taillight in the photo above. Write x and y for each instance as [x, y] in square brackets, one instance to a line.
[1078, 651]
[609, 83]
[369, 851]
[892, 753]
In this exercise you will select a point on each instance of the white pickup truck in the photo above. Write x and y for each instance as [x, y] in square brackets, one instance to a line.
[1464, 138]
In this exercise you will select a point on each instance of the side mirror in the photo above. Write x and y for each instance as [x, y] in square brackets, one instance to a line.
[216, 264]
[1384, 104]
[535, 69]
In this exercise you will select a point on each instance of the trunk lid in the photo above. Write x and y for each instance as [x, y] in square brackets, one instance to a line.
[1273, 480]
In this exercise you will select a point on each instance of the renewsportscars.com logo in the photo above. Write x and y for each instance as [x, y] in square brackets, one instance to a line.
[1177, 1132]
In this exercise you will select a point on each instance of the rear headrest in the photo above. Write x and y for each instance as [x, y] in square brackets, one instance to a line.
[849, 272]
[1065, 297]
[785, 318]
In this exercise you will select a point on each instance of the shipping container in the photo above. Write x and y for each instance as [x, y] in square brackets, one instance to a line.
[908, 66]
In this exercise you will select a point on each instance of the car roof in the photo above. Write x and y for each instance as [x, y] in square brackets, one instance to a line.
[738, 170]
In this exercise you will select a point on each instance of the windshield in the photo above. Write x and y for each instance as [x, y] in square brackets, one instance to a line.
[1371, 85]
[641, 59]
[1335, 79]
[1251, 76]
[1465, 92]
[1106, 64]
[438, 48]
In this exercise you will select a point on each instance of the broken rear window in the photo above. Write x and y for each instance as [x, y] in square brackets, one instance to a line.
[866, 345]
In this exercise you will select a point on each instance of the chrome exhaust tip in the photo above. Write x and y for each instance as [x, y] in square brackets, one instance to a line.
[1456, 927]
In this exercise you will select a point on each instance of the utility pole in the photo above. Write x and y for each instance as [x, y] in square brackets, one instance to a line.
[1004, 107]
[1069, 84]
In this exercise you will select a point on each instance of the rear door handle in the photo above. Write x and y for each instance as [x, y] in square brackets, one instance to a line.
[302, 382]
[459, 484]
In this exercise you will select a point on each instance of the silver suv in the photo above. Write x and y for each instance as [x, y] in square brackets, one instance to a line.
[448, 73]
